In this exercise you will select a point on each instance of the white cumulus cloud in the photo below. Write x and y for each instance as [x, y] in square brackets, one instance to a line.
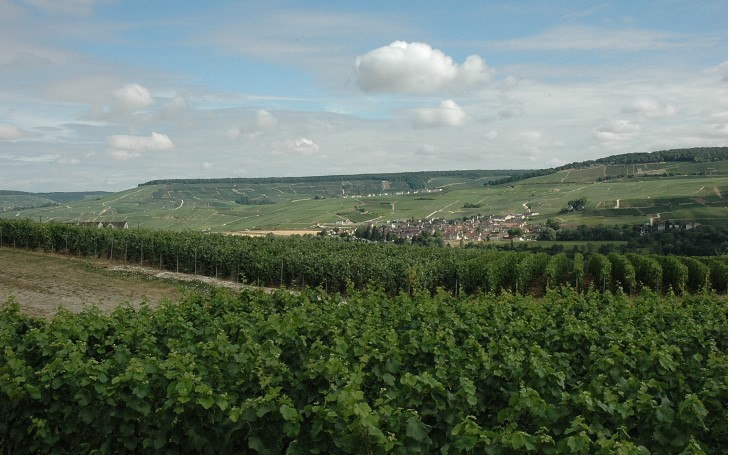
[616, 130]
[301, 146]
[305, 146]
[447, 114]
[265, 120]
[131, 98]
[403, 67]
[129, 147]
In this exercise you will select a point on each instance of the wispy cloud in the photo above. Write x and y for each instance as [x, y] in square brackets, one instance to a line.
[595, 38]
[11, 133]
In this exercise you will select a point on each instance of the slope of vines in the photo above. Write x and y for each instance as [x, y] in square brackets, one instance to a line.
[312, 373]
[338, 265]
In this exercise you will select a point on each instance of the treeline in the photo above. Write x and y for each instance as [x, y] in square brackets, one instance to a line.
[338, 265]
[414, 180]
[58, 196]
[699, 241]
[246, 200]
[695, 155]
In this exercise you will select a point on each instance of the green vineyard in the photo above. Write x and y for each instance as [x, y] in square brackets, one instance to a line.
[340, 266]
[314, 373]
[387, 349]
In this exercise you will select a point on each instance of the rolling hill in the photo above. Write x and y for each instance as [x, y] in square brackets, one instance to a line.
[682, 185]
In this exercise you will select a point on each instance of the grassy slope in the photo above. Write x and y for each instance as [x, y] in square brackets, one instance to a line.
[212, 206]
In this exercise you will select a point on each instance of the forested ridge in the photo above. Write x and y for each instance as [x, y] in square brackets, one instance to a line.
[414, 180]
[694, 155]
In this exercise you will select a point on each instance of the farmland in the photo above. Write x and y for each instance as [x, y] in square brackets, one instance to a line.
[260, 373]
[106, 346]
[616, 194]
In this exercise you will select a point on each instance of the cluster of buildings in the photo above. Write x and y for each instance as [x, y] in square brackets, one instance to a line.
[104, 224]
[477, 228]
[396, 193]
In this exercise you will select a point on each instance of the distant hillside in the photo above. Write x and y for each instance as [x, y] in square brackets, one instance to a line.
[623, 189]
[688, 155]
[411, 180]
[18, 200]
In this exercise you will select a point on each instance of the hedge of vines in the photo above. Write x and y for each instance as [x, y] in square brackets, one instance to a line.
[570, 372]
[338, 265]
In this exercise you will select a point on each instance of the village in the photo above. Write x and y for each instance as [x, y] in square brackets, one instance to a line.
[478, 228]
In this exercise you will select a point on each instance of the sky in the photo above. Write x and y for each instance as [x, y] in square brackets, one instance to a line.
[108, 94]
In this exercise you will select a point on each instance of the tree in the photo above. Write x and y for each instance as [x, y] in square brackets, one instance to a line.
[514, 232]
[548, 234]
[552, 224]
[577, 204]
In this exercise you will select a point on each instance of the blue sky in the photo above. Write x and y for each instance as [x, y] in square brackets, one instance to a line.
[104, 94]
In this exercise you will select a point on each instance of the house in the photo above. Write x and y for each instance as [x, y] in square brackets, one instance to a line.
[116, 225]
[104, 224]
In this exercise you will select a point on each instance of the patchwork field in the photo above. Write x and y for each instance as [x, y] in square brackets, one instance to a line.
[617, 194]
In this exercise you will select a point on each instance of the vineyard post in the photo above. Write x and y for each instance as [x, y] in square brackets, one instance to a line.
[281, 276]
[177, 261]
[141, 253]
[195, 262]
[125, 251]
[111, 251]
[67, 243]
[1, 236]
[160, 260]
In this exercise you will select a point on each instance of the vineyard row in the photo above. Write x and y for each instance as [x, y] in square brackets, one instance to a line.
[343, 266]
[373, 374]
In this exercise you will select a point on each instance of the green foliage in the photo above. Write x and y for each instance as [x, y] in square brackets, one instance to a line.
[514, 232]
[649, 272]
[313, 373]
[674, 272]
[600, 269]
[315, 261]
[698, 274]
[246, 200]
[556, 271]
[622, 272]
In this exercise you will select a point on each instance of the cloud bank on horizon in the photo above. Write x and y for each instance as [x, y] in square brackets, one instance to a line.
[100, 95]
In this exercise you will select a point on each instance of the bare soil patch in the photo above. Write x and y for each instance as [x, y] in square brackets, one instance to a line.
[42, 283]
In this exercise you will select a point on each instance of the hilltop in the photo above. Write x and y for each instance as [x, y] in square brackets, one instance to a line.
[686, 185]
